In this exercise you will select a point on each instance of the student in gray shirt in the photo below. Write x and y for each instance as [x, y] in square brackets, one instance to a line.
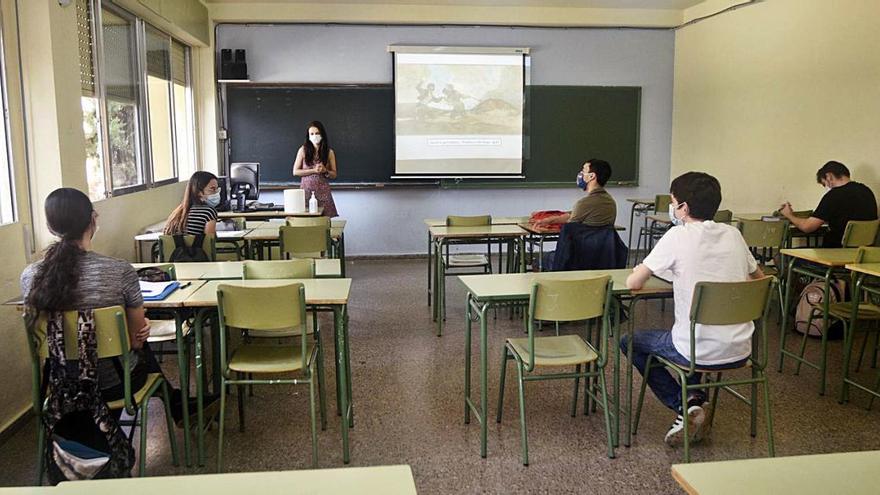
[72, 277]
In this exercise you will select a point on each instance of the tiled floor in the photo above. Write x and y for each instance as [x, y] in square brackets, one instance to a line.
[408, 389]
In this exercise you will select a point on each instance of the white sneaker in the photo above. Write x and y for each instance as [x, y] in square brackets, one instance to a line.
[696, 419]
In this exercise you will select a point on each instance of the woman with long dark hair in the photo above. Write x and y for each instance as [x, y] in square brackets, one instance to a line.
[196, 214]
[316, 163]
[73, 277]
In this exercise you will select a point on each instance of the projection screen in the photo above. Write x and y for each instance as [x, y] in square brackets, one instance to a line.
[459, 110]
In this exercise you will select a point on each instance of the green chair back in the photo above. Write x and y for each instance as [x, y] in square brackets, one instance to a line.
[761, 234]
[471, 221]
[308, 221]
[295, 268]
[276, 308]
[569, 300]
[723, 216]
[111, 329]
[868, 255]
[166, 246]
[262, 308]
[662, 202]
[730, 303]
[304, 241]
[860, 233]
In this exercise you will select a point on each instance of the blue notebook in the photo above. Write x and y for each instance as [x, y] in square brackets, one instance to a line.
[158, 291]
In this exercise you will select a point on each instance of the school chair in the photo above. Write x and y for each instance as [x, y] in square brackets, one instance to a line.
[867, 311]
[723, 216]
[652, 232]
[468, 260]
[562, 300]
[724, 303]
[275, 308]
[308, 241]
[111, 334]
[288, 269]
[859, 233]
[764, 240]
[322, 221]
[166, 246]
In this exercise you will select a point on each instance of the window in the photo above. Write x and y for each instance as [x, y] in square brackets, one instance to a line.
[7, 184]
[89, 101]
[184, 124]
[159, 97]
[136, 101]
[121, 99]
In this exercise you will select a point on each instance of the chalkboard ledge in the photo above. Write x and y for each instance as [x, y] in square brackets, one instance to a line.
[342, 186]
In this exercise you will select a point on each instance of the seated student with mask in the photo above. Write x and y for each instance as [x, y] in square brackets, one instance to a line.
[844, 200]
[597, 208]
[695, 249]
[587, 240]
[196, 214]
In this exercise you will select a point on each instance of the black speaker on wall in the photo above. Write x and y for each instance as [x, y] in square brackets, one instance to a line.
[233, 68]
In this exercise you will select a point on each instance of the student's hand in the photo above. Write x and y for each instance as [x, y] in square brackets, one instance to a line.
[785, 210]
[141, 335]
[320, 169]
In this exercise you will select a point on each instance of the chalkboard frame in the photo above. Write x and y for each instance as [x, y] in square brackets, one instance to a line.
[463, 182]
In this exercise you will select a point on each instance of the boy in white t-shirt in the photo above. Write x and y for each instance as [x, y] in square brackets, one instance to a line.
[693, 250]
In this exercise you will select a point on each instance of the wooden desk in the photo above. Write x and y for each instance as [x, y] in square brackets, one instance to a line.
[320, 293]
[861, 271]
[441, 222]
[269, 214]
[232, 270]
[852, 473]
[440, 236]
[379, 480]
[820, 264]
[486, 291]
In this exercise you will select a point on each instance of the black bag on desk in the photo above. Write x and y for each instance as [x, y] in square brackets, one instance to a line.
[184, 253]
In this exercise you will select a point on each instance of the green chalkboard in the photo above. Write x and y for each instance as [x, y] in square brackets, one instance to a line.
[268, 125]
[565, 125]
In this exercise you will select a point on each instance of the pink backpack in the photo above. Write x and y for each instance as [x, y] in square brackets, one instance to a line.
[811, 297]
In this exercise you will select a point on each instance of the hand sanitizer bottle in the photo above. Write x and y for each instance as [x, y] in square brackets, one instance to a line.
[313, 204]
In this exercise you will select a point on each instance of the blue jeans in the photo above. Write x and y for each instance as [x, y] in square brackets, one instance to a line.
[662, 382]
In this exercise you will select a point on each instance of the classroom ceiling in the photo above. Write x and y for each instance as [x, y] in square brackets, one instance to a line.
[605, 4]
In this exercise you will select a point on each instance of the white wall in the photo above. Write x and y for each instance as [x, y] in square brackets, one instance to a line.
[389, 221]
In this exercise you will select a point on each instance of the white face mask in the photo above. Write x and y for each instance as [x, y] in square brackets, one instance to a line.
[213, 199]
[315, 139]
[97, 228]
[675, 220]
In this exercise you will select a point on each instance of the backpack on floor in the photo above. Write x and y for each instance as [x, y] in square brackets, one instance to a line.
[811, 297]
[84, 440]
[183, 253]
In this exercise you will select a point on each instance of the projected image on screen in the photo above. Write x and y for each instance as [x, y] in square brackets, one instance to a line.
[458, 114]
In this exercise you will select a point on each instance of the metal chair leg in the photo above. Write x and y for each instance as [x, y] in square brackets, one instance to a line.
[504, 358]
[522, 415]
[574, 400]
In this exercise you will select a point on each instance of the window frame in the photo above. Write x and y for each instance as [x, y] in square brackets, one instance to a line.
[143, 141]
[7, 130]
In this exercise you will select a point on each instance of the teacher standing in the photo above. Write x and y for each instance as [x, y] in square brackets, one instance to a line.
[316, 163]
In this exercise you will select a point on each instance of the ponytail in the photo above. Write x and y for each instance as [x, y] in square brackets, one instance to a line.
[69, 214]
